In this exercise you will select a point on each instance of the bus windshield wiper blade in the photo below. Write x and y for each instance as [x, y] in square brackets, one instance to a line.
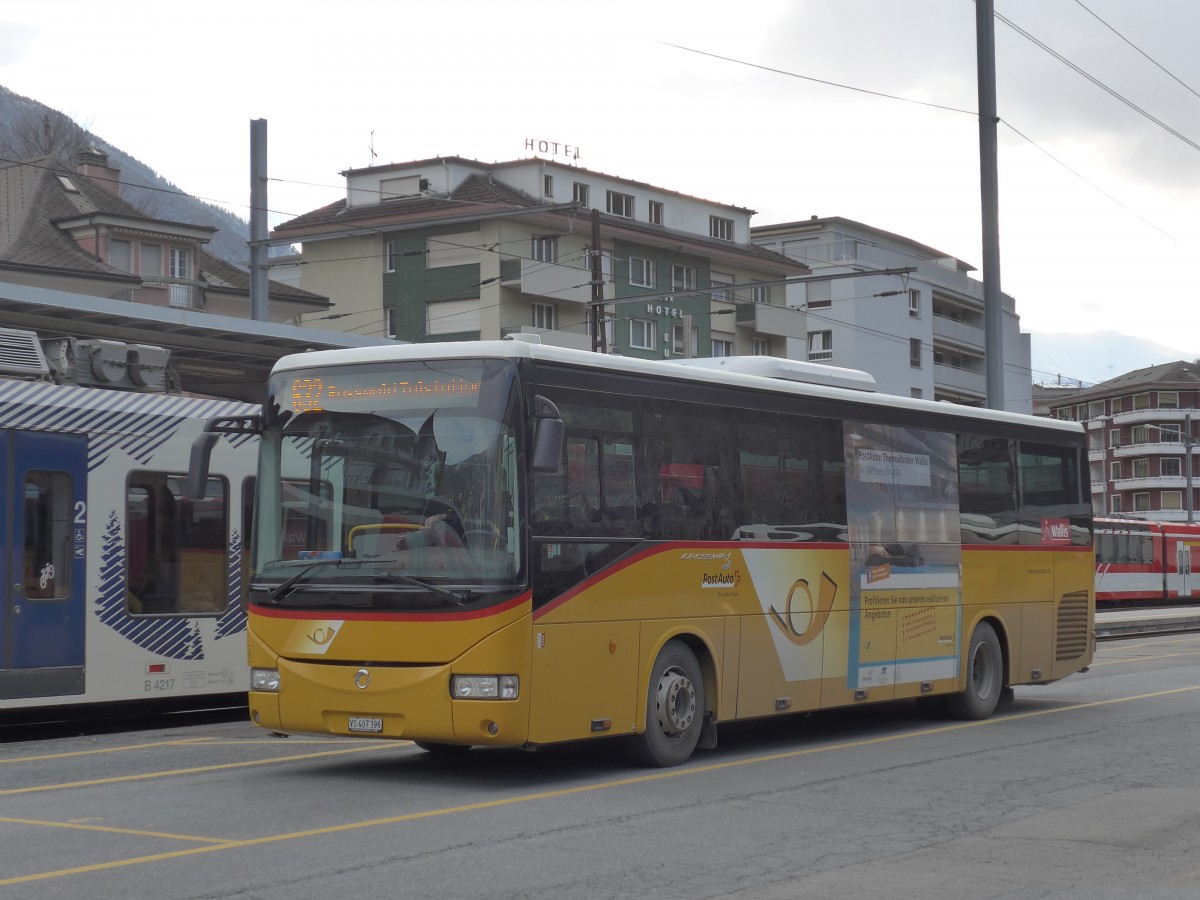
[281, 590]
[455, 597]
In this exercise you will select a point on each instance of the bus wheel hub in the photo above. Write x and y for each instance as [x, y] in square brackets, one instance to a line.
[676, 702]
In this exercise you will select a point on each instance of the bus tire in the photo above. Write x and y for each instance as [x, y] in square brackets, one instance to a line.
[985, 677]
[674, 709]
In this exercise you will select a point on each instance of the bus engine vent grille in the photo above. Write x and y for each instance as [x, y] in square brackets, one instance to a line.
[1072, 626]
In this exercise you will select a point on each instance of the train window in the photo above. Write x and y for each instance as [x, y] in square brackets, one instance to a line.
[47, 527]
[175, 546]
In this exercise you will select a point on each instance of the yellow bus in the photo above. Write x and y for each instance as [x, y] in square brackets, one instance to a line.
[510, 544]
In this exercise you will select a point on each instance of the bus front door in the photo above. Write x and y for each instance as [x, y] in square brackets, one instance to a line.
[43, 533]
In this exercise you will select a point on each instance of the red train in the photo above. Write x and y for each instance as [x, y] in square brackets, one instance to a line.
[1146, 562]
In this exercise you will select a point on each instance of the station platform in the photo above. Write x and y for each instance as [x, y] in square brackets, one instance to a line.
[1128, 622]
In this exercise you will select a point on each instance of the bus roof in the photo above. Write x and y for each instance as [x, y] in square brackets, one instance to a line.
[832, 385]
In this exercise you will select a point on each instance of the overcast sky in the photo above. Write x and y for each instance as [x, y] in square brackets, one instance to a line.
[1098, 204]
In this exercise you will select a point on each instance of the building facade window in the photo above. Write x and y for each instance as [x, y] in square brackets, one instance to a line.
[1141, 502]
[150, 265]
[1114, 503]
[544, 318]
[1170, 466]
[1168, 400]
[760, 293]
[120, 255]
[1141, 401]
[820, 345]
[1095, 409]
[655, 216]
[683, 278]
[545, 249]
[548, 185]
[580, 194]
[723, 281]
[619, 204]
[1114, 471]
[389, 256]
[642, 272]
[1170, 500]
[180, 262]
[720, 228]
[760, 346]
[678, 336]
[642, 334]
[916, 393]
[914, 352]
[722, 347]
[1114, 437]
[818, 294]
[1141, 468]
[914, 303]
[389, 317]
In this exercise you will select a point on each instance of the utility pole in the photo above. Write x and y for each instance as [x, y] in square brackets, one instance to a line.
[993, 308]
[259, 297]
[597, 303]
[1188, 441]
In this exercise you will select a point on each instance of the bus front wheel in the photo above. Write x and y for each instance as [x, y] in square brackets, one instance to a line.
[674, 709]
[985, 677]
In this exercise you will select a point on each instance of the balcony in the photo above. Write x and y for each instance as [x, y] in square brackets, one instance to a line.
[176, 293]
[1153, 448]
[1151, 483]
[570, 283]
[1096, 454]
[960, 333]
[1151, 416]
[777, 321]
[960, 380]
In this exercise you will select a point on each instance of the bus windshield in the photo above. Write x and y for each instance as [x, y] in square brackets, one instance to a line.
[389, 486]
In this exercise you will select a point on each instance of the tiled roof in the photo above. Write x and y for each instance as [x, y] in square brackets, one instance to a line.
[480, 193]
[33, 198]
[1183, 373]
[475, 190]
[226, 276]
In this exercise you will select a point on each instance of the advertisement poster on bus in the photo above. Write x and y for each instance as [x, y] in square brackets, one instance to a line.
[905, 555]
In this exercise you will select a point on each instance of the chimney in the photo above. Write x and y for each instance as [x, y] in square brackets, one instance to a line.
[93, 162]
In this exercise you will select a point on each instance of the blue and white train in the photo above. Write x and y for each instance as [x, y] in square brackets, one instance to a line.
[115, 585]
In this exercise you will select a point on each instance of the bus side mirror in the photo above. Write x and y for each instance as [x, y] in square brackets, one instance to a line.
[197, 477]
[196, 483]
[548, 431]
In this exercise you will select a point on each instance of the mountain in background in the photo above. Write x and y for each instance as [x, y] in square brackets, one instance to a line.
[1060, 358]
[140, 185]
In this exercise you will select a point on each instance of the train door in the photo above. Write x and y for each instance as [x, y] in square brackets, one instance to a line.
[1184, 565]
[43, 533]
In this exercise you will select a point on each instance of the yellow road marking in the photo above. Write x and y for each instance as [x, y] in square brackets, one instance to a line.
[114, 830]
[125, 748]
[1133, 659]
[582, 789]
[216, 767]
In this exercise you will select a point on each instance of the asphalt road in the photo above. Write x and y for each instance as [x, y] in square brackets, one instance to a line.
[1089, 788]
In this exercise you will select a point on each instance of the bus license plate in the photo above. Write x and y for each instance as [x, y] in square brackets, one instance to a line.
[367, 724]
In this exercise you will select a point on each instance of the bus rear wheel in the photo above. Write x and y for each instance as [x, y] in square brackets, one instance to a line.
[674, 709]
[985, 677]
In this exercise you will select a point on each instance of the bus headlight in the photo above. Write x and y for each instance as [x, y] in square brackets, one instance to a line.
[264, 680]
[484, 687]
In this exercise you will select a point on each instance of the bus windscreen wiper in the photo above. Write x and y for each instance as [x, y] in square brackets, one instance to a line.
[281, 590]
[455, 597]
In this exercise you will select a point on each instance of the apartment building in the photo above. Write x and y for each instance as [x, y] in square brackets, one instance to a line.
[454, 249]
[1141, 430]
[920, 334]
